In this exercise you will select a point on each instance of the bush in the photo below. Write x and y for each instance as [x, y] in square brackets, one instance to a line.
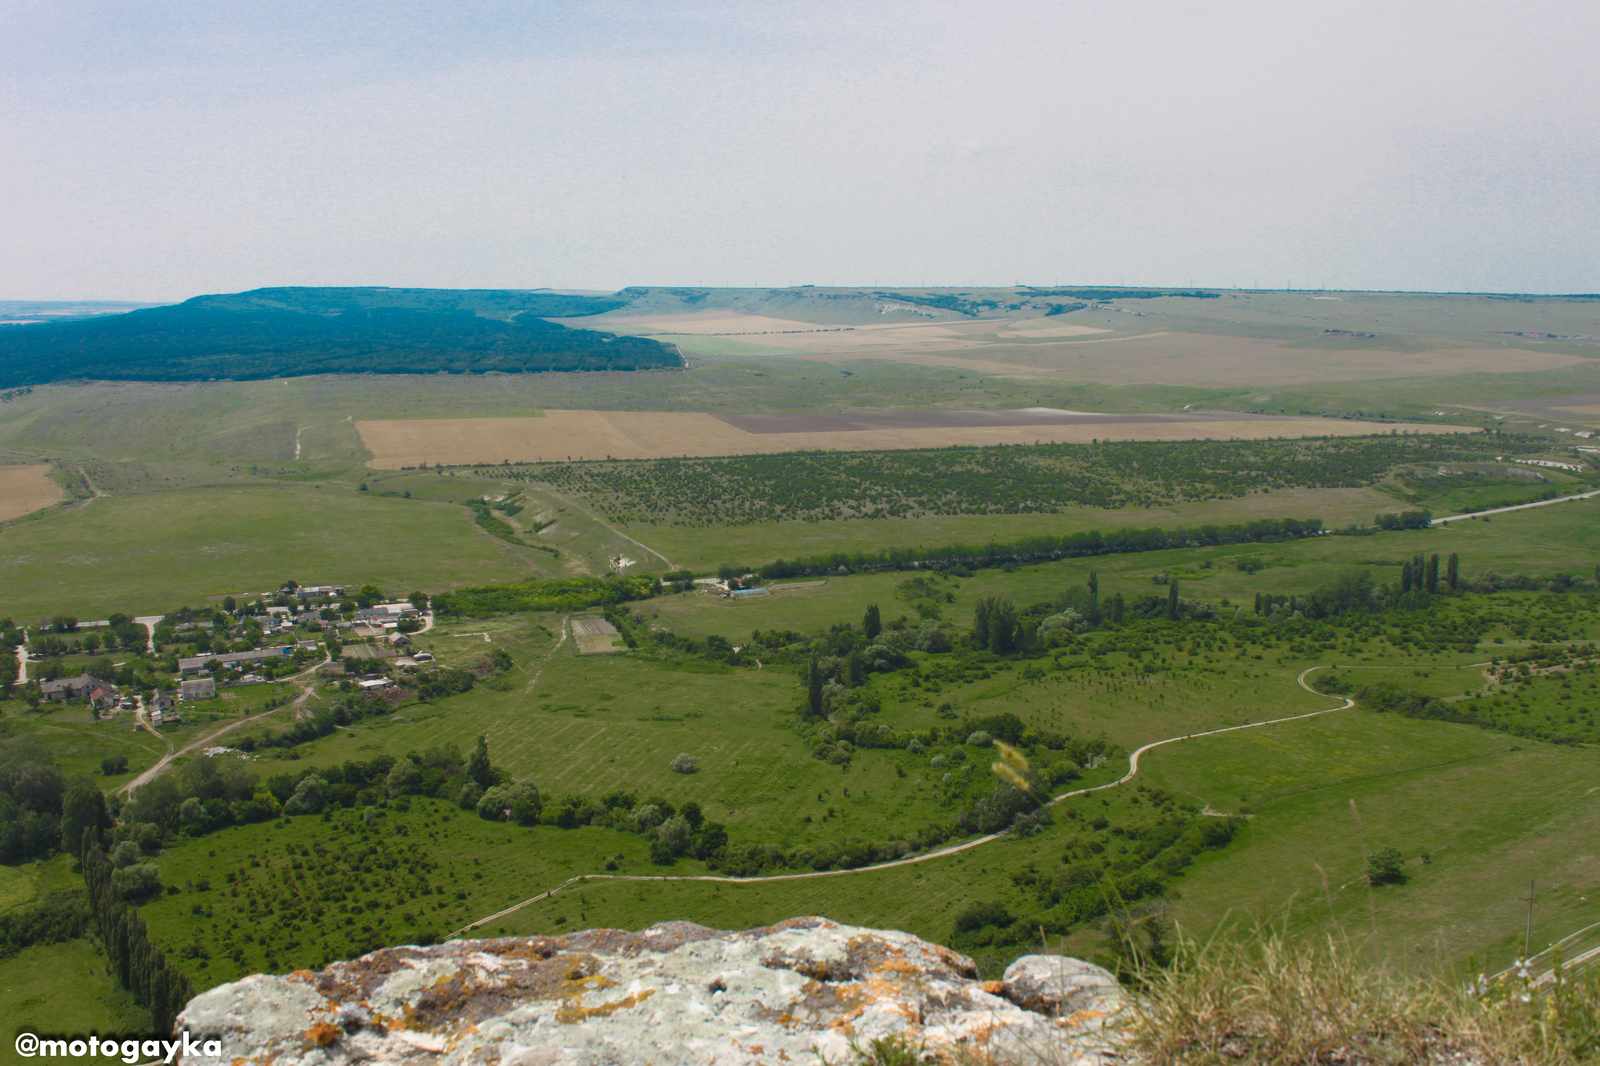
[979, 739]
[683, 764]
[137, 881]
[979, 915]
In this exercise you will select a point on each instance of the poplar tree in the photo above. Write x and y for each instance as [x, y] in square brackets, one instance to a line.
[814, 686]
[871, 622]
[1172, 600]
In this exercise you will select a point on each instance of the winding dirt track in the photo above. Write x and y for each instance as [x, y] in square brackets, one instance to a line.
[172, 753]
[1133, 769]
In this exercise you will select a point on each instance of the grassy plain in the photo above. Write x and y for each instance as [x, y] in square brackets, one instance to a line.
[151, 552]
[226, 487]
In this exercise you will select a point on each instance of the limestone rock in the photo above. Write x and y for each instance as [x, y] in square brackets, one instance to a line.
[676, 993]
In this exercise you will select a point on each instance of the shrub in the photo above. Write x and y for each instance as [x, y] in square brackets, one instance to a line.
[979, 915]
[979, 739]
[683, 764]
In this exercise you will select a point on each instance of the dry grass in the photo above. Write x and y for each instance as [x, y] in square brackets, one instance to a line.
[561, 436]
[1204, 360]
[24, 489]
[1272, 999]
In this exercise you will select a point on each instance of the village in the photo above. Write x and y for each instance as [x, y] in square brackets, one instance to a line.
[166, 663]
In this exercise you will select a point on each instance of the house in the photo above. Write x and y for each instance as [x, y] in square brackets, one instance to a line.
[307, 592]
[377, 684]
[85, 687]
[165, 699]
[233, 658]
[305, 645]
[397, 640]
[203, 688]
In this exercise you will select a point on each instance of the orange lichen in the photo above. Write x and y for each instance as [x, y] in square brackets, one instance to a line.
[572, 1011]
[322, 1034]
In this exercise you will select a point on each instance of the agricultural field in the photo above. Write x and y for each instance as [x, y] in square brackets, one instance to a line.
[566, 436]
[25, 489]
[688, 766]
[1467, 750]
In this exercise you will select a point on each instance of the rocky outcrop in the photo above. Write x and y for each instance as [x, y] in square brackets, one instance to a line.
[674, 993]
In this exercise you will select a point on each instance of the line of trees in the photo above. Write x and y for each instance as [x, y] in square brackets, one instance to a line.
[139, 966]
[1034, 549]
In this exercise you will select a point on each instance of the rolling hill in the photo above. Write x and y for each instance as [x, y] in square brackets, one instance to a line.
[292, 332]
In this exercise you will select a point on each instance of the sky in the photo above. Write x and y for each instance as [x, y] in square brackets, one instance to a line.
[157, 151]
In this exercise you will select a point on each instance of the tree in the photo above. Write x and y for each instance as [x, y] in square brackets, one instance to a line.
[83, 808]
[683, 764]
[1431, 578]
[856, 667]
[1116, 609]
[1385, 866]
[1172, 600]
[692, 814]
[229, 604]
[1004, 628]
[419, 600]
[872, 621]
[478, 768]
[310, 795]
[405, 779]
[814, 685]
[675, 833]
[1452, 573]
[1094, 592]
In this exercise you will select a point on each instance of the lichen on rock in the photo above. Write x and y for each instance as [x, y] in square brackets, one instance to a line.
[675, 993]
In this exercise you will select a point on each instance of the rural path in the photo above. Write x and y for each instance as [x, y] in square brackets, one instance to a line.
[22, 662]
[562, 640]
[92, 486]
[1133, 769]
[597, 520]
[1518, 507]
[166, 760]
[302, 429]
[150, 621]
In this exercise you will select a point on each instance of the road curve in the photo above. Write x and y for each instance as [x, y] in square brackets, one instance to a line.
[1133, 769]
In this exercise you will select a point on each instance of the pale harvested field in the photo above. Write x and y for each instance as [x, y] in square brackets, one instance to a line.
[1048, 327]
[1211, 361]
[570, 435]
[24, 489]
[1588, 410]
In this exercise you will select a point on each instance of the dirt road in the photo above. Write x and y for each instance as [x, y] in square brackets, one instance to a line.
[1133, 769]
[1517, 507]
[205, 739]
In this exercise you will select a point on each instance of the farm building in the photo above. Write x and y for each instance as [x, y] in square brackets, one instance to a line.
[233, 658]
[203, 688]
[85, 687]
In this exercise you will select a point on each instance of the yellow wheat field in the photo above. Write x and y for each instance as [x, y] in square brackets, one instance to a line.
[24, 489]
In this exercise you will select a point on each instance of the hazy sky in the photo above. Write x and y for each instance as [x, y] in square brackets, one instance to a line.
[158, 150]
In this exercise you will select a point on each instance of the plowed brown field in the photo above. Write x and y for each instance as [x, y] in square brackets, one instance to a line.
[24, 489]
[570, 435]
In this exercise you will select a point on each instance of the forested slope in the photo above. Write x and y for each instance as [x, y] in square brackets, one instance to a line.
[292, 332]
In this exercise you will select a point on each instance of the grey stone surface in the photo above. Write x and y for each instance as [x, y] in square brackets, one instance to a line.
[676, 993]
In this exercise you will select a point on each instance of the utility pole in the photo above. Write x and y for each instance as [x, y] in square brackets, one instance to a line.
[1527, 940]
